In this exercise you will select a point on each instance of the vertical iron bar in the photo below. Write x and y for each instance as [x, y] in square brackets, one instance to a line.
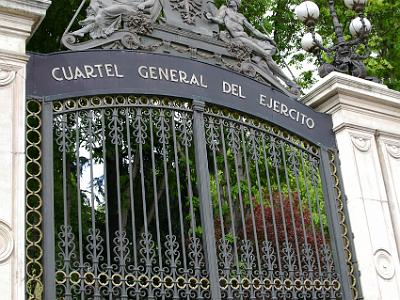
[153, 165]
[268, 176]
[67, 260]
[178, 187]
[291, 207]
[334, 224]
[356, 288]
[79, 203]
[104, 141]
[121, 261]
[303, 168]
[230, 203]
[48, 202]
[131, 191]
[203, 185]
[95, 258]
[250, 195]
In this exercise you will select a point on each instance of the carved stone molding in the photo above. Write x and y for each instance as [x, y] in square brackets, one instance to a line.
[6, 241]
[384, 264]
[7, 75]
[393, 150]
[362, 143]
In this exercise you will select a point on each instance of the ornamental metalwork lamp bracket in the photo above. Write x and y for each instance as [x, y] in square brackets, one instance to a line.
[345, 56]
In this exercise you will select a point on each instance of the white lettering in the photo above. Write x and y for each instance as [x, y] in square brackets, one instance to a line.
[53, 73]
[109, 69]
[226, 87]
[291, 115]
[234, 89]
[303, 116]
[276, 106]
[202, 83]
[183, 77]
[194, 80]
[99, 70]
[163, 74]
[116, 72]
[174, 75]
[284, 110]
[69, 76]
[143, 72]
[310, 123]
[78, 74]
[89, 71]
[262, 100]
[153, 73]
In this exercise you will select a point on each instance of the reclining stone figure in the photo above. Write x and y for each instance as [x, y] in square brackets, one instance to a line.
[105, 17]
[261, 45]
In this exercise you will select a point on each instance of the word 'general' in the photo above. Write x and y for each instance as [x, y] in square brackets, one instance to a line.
[173, 75]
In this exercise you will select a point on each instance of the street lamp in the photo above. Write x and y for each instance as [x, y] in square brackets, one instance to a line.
[344, 54]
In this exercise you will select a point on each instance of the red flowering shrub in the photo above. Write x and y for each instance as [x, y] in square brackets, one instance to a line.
[276, 225]
[290, 222]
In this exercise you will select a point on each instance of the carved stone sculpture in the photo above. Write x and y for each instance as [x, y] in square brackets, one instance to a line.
[104, 19]
[260, 45]
[188, 28]
[189, 9]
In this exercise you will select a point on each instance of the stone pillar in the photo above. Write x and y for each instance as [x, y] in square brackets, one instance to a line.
[366, 122]
[18, 20]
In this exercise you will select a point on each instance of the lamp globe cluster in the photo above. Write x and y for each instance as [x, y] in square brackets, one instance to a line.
[308, 13]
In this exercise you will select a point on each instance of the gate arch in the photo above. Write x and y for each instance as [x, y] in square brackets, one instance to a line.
[192, 196]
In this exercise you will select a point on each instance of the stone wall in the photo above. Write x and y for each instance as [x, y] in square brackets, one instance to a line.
[18, 20]
[366, 122]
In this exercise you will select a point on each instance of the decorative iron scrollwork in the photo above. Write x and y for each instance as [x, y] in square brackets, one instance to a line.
[142, 234]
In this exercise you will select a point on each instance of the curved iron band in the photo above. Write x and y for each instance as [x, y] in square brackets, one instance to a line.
[274, 107]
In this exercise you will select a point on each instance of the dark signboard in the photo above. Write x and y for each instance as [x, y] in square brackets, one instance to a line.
[69, 74]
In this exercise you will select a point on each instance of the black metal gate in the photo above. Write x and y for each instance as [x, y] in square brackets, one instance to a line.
[146, 197]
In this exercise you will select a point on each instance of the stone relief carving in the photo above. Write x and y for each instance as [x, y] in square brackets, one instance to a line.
[189, 9]
[107, 17]
[7, 75]
[6, 241]
[362, 143]
[384, 264]
[393, 150]
[103, 20]
[256, 48]
[188, 28]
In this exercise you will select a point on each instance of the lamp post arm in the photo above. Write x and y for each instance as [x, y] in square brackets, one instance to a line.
[336, 23]
[320, 46]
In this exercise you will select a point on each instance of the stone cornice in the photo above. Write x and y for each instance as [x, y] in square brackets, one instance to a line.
[345, 85]
[32, 9]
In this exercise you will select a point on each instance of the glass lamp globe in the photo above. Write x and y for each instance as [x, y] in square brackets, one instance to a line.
[307, 11]
[308, 42]
[357, 27]
[355, 4]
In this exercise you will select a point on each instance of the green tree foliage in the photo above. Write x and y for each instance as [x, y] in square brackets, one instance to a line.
[277, 18]
[48, 36]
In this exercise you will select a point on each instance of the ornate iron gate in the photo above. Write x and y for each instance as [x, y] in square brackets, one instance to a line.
[144, 197]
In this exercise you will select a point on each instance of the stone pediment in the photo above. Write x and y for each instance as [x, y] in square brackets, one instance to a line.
[195, 29]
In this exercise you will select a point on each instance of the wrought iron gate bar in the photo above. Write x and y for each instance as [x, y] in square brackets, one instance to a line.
[164, 198]
[235, 136]
[34, 201]
[102, 102]
[345, 232]
[262, 126]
